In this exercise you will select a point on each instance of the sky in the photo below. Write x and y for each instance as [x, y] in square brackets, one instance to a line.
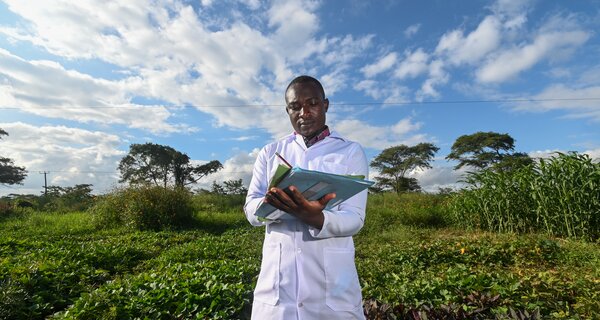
[80, 81]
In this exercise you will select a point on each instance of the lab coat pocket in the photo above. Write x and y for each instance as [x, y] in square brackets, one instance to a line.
[267, 288]
[341, 280]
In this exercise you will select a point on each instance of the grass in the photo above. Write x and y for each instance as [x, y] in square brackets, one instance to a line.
[32, 224]
[409, 260]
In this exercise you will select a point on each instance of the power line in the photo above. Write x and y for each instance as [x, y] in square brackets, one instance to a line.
[68, 171]
[115, 172]
[367, 103]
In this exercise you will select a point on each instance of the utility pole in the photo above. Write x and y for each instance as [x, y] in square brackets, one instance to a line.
[45, 182]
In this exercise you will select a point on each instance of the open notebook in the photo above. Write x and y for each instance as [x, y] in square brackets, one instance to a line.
[313, 185]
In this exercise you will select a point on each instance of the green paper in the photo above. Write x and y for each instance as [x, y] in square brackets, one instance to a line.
[280, 173]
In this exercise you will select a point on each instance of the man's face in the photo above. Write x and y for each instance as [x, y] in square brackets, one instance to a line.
[306, 107]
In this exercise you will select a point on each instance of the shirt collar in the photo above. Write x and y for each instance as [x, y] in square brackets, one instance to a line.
[333, 134]
[318, 136]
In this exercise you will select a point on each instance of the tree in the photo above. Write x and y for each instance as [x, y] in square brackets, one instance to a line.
[9, 173]
[217, 188]
[395, 162]
[229, 187]
[78, 197]
[513, 161]
[160, 165]
[483, 150]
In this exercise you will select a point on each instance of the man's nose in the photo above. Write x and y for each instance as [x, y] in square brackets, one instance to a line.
[305, 110]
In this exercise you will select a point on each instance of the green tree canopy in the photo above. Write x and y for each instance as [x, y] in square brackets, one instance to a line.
[78, 197]
[395, 162]
[483, 150]
[9, 173]
[229, 187]
[160, 165]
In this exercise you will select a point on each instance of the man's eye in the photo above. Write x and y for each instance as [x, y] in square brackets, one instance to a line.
[294, 106]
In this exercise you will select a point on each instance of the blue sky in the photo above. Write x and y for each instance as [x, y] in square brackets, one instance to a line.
[81, 81]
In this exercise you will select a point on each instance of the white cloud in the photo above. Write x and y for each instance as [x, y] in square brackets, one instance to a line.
[45, 88]
[388, 91]
[382, 65]
[412, 30]
[437, 76]
[76, 156]
[342, 50]
[413, 65]
[594, 154]
[174, 57]
[71, 155]
[470, 49]
[432, 179]
[295, 25]
[545, 154]
[511, 62]
[577, 102]
[375, 137]
[252, 4]
[338, 55]
[237, 167]
[88, 29]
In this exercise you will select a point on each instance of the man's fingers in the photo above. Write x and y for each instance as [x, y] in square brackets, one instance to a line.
[299, 197]
[280, 199]
[326, 198]
[273, 200]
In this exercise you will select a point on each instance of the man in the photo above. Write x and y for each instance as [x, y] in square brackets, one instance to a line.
[307, 269]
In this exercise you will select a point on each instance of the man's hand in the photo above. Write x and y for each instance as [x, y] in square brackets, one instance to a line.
[294, 203]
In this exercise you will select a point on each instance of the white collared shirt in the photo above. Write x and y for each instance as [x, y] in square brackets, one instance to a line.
[307, 273]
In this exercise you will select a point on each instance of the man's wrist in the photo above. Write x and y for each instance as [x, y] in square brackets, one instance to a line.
[315, 220]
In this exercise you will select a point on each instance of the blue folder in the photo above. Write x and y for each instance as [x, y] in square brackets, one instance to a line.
[314, 185]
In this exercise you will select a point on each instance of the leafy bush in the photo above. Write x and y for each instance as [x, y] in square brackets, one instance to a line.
[559, 196]
[144, 208]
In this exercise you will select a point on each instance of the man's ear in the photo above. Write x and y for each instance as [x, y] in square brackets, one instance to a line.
[326, 104]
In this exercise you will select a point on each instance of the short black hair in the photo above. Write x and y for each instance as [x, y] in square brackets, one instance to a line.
[306, 79]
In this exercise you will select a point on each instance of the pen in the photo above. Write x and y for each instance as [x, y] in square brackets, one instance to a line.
[282, 159]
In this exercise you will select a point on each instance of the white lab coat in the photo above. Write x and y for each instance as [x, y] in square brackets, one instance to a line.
[307, 273]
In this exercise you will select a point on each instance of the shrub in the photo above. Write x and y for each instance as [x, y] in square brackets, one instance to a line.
[144, 208]
[14, 209]
[6, 209]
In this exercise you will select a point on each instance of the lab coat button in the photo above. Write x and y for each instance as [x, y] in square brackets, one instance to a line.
[299, 250]
[300, 305]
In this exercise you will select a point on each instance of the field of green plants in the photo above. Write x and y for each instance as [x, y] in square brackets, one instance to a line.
[123, 260]
[62, 266]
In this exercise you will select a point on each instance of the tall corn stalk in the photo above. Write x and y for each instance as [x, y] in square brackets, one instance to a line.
[559, 196]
